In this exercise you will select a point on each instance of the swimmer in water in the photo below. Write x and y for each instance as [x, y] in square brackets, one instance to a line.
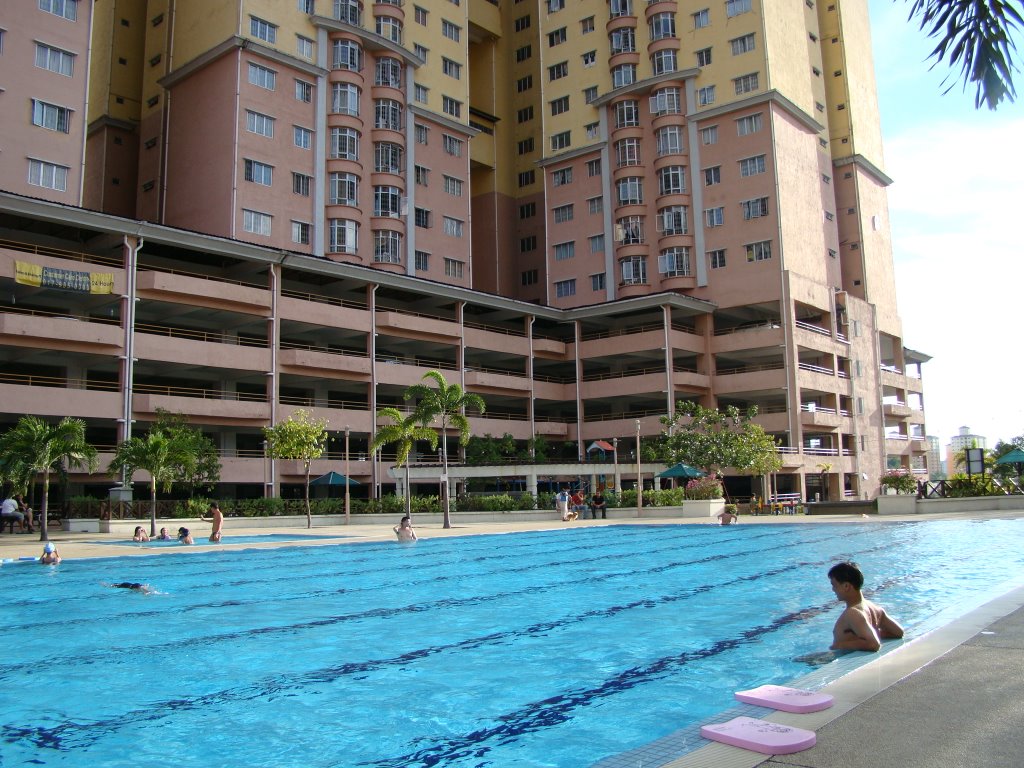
[50, 554]
[862, 625]
[404, 530]
[164, 536]
[134, 586]
[184, 536]
[140, 535]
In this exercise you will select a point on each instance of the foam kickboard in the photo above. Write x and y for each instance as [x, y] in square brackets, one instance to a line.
[760, 736]
[786, 699]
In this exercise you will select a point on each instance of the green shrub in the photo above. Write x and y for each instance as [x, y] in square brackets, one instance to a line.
[190, 508]
[961, 486]
[900, 480]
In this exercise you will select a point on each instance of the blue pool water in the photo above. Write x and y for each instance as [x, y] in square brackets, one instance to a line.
[559, 648]
[200, 538]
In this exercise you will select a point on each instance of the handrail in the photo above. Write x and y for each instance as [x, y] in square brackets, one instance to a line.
[821, 451]
[416, 361]
[427, 315]
[622, 374]
[621, 332]
[327, 402]
[321, 348]
[215, 337]
[200, 392]
[751, 368]
[493, 328]
[813, 328]
[815, 368]
[65, 315]
[199, 275]
[60, 253]
[770, 324]
[807, 407]
[62, 382]
[321, 299]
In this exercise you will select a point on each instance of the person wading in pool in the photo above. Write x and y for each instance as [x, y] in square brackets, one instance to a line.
[217, 518]
[404, 530]
[863, 625]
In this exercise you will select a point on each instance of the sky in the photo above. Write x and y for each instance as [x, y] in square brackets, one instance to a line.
[957, 196]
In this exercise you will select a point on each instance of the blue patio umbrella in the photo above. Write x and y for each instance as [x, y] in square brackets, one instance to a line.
[333, 478]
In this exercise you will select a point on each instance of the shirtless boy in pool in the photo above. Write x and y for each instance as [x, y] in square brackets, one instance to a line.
[863, 625]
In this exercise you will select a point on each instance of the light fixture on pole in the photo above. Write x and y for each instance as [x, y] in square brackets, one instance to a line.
[639, 476]
[615, 464]
[348, 476]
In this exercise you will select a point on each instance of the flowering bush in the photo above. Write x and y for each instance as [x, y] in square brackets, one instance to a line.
[900, 480]
[704, 488]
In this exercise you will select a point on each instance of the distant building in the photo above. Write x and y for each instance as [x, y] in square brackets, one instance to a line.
[936, 467]
[959, 442]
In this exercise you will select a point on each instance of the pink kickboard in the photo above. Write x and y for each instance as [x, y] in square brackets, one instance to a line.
[786, 699]
[760, 736]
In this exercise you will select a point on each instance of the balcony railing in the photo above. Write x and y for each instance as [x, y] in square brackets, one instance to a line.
[816, 368]
[813, 328]
[62, 382]
[751, 368]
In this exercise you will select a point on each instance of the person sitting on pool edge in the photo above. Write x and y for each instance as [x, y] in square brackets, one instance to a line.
[140, 535]
[862, 625]
[164, 535]
[50, 554]
[217, 518]
[404, 530]
[185, 536]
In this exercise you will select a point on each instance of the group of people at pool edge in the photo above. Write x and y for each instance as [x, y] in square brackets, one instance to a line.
[184, 534]
[573, 506]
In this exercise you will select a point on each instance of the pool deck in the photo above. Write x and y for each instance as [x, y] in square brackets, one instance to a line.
[951, 698]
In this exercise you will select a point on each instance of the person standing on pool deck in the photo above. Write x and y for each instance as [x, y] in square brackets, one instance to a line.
[562, 501]
[862, 625]
[217, 518]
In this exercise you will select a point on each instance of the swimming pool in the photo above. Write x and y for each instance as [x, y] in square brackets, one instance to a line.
[557, 648]
[256, 538]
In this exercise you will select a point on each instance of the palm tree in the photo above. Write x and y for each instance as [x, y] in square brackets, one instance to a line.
[156, 453]
[448, 403]
[33, 446]
[404, 433]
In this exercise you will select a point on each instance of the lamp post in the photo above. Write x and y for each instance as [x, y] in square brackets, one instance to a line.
[267, 491]
[615, 464]
[348, 477]
[639, 477]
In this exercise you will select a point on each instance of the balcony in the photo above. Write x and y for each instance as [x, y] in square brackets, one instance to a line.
[489, 380]
[65, 332]
[217, 405]
[320, 361]
[198, 348]
[816, 416]
[203, 291]
[897, 410]
[410, 325]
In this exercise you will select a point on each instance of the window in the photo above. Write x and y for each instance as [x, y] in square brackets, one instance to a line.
[387, 201]
[554, 6]
[301, 232]
[451, 106]
[259, 173]
[422, 176]
[662, 25]
[345, 99]
[561, 177]
[565, 288]
[630, 230]
[761, 251]
[303, 137]
[523, 53]
[590, 94]
[388, 72]
[387, 246]
[589, 58]
[709, 135]
[342, 235]
[453, 186]
[421, 217]
[453, 268]
[618, 8]
[596, 243]
[754, 209]
[387, 113]
[622, 40]
[420, 51]
[527, 210]
[746, 83]
[597, 282]
[49, 175]
[743, 44]
[674, 262]
[561, 141]
[716, 258]
[452, 146]
[262, 77]
[350, 11]
[451, 31]
[751, 166]
[704, 57]
[706, 95]
[420, 14]
[301, 184]
[623, 74]
[712, 176]
[255, 222]
[420, 93]
[558, 71]
[701, 19]
[453, 227]
[749, 124]
[557, 37]
[523, 22]
[672, 180]
[303, 91]
[387, 157]
[344, 144]
[525, 146]
[559, 106]
[630, 190]
[593, 130]
[666, 101]
[527, 244]
[51, 116]
[562, 213]
[303, 47]
[627, 114]
[55, 60]
[524, 115]
[529, 277]
[634, 270]
[714, 217]
[670, 140]
[264, 30]
[526, 178]
[389, 28]
[587, 25]
[595, 204]
[627, 152]
[672, 220]
[259, 124]
[451, 68]
[736, 7]
[422, 259]
[565, 251]
[343, 189]
[524, 83]
[67, 9]
[422, 134]
[664, 61]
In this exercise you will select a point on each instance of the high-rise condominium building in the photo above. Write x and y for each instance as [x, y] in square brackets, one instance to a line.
[705, 182]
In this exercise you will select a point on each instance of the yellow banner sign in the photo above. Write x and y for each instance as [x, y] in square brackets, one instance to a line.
[63, 279]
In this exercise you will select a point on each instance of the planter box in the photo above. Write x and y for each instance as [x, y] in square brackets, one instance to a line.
[83, 525]
[897, 505]
[709, 508]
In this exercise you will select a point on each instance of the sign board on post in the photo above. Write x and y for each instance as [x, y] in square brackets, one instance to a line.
[975, 459]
